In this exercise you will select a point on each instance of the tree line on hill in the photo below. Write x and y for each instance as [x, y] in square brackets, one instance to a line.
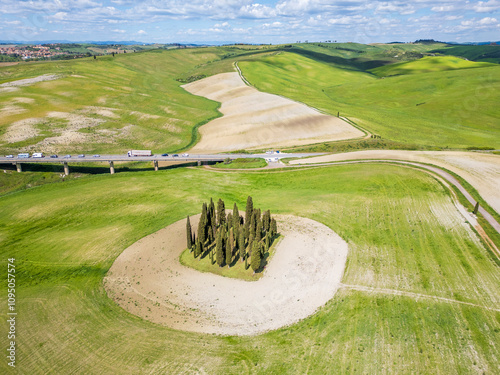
[228, 237]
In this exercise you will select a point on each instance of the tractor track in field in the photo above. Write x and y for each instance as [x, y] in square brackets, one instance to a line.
[417, 296]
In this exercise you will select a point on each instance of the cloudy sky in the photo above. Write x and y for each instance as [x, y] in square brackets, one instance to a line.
[264, 21]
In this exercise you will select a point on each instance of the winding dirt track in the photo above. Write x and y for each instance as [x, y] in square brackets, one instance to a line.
[148, 280]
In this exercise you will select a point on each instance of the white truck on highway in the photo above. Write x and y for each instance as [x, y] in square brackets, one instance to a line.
[37, 155]
[139, 153]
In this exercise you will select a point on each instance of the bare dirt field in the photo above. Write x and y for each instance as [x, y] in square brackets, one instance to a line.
[253, 119]
[30, 81]
[481, 170]
[305, 272]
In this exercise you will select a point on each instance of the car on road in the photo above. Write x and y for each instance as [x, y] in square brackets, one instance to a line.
[9, 156]
[81, 156]
[175, 155]
[96, 156]
[67, 156]
[54, 156]
[164, 154]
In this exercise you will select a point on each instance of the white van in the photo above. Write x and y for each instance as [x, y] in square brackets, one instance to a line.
[37, 155]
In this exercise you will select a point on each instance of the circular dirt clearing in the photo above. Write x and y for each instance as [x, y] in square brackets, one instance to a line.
[304, 273]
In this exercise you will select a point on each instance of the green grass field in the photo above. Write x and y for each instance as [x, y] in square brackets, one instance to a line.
[404, 237]
[488, 53]
[242, 163]
[427, 65]
[448, 109]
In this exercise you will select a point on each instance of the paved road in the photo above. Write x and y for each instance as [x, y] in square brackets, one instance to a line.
[124, 157]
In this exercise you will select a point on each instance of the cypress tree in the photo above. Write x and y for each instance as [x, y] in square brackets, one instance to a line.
[256, 257]
[198, 249]
[221, 213]
[219, 253]
[241, 245]
[211, 208]
[274, 228]
[229, 248]
[236, 216]
[252, 227]
[266, 220]
[250, 242]
[268, 242]
[201, 225]
[248, 215]
[229, 220]
[189, 235]
[258, 232]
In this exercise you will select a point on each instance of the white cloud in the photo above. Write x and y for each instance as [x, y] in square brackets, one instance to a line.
[119, 31]
[443, 8]
[142, 32]
[257, 11]
[488, 21]
[486, 6]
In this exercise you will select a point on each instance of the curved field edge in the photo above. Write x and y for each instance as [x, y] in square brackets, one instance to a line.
[403, 234]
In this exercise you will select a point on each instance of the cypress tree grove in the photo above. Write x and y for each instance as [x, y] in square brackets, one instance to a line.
[189, 235]
[256, 257]
[219, 253]
[241, 245]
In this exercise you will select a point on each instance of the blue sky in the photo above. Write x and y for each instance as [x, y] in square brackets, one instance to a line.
[265, 21]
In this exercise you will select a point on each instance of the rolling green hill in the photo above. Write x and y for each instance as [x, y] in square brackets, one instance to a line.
[446, 108]
[110, 104]
[487, 53]
[426, 65]
[418, 291]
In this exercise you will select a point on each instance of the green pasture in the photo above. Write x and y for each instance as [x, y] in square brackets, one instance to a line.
[427, 65]
[404, 236]
[242, 163]
[449, 109]
[487, 53]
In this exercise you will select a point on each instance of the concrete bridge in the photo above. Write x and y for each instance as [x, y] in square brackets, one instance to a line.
[155, 159]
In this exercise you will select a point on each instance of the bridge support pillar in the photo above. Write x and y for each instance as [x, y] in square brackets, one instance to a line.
[199, 163]
[111, 167]
[155, 164]
[66, 168]
[18, 167]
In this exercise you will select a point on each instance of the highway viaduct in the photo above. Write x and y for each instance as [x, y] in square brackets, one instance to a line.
[155, 159]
